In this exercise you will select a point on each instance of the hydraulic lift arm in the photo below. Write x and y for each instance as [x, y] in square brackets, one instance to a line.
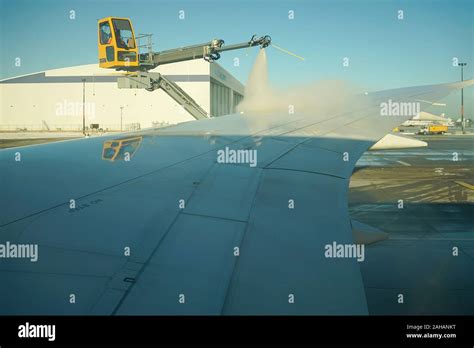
[209, 51]
[118, 50]
[152, 81]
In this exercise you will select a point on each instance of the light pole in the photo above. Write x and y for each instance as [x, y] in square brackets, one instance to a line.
[121, 116]
[84, 106]
[462, 65]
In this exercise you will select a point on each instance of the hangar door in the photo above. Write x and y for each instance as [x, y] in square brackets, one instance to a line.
[220, 99]
[237, 99]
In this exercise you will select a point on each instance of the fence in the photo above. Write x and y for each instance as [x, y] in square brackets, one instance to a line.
[65, 127]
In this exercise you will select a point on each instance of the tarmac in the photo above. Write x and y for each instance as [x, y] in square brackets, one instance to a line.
[429, 256]
[15, 139]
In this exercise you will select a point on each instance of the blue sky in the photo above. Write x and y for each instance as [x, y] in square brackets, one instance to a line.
[383, 51]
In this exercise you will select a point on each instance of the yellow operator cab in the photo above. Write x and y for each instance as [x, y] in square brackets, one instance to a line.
[116, 44]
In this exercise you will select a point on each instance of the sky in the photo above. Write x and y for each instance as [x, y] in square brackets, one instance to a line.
[382, 49]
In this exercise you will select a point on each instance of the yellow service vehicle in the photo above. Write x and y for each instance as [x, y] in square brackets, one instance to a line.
[121, 149]
[117, 45]
[433, 129]
[120, 49]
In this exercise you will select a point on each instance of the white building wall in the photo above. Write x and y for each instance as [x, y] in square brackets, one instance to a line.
[59, 103]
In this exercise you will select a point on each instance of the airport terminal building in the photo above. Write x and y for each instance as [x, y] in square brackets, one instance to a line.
[53, 100]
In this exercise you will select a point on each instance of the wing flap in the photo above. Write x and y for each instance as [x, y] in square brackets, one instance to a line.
[283, 250]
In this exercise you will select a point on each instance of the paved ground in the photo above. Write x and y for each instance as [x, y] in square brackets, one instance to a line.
[417, 260]
[15, 139]
[7, 143]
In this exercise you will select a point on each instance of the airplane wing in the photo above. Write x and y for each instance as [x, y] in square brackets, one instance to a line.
[152, 223]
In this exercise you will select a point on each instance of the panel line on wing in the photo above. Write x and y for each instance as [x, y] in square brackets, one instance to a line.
[150, 257]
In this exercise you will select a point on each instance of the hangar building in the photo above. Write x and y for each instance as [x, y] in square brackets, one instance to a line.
[53, 100]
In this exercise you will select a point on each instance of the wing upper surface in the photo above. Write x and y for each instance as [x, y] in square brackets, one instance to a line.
[190, 250]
